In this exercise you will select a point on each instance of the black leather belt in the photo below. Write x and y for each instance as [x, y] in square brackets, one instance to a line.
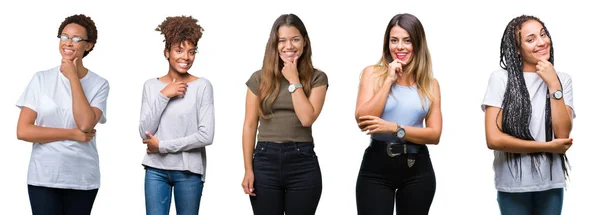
[394, 149]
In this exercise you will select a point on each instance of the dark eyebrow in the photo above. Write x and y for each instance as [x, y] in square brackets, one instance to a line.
[294, 37]
[404, 38]
[71, 36]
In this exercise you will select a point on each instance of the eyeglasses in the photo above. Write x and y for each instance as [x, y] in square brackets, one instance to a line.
[75, 39]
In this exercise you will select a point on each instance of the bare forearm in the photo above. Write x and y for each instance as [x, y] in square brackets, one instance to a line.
[248, 139]
[506, 143]
[422, 135]
[37, 134]
[303, 108]
[561, 119]
[374, 107]
[84, 115]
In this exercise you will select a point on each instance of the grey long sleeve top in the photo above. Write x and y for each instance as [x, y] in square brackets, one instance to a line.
[183, 125]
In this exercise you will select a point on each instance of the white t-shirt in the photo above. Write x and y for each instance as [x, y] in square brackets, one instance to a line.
[63, 164]
[531, 180]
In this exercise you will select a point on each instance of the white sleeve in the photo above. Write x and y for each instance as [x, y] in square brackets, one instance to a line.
[99, 100]
[30, 96]
[495, 90]
[567, 87]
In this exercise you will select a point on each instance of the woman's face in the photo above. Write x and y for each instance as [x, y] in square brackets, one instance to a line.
[535, 43]
[181, 57]
[290, 43]
[73, 42]
[401, 47]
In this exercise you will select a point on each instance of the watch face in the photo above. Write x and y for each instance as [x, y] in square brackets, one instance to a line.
[291, 88]
[558, 94]
[401, 133]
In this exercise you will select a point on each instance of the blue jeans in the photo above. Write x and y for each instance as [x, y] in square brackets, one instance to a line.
[547, 202]
[187, 188]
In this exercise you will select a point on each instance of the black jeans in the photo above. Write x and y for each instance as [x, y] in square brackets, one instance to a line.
[383, 178]
[287, 178]
[55, 201]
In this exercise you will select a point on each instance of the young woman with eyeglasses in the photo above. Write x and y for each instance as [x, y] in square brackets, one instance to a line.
[59, 111]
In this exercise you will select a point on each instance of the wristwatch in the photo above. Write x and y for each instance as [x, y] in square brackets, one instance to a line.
[400, 132]
[293, 87]
[558, 94]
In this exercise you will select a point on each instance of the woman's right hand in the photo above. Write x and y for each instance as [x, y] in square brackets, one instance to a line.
[560, 146]
[175, 88]
[248, 183]
[394, 70]
[84, 137]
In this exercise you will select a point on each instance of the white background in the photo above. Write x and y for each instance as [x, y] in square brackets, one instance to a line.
[463, 37]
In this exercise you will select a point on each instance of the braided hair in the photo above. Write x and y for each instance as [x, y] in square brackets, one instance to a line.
[516, 104]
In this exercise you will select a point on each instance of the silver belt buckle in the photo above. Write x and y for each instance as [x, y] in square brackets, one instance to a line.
[389, 149]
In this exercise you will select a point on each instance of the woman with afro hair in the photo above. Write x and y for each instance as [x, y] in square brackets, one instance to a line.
[176, 123]
[528, 119]
[59, 111]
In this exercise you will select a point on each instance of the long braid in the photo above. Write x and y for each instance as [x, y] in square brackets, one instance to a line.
[516, 104]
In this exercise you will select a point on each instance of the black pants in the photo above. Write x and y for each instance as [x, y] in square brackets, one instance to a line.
[54, 201]
[383, 178]
[287, 178]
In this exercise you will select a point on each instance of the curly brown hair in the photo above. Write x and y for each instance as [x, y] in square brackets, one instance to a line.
[178, 29]
[85, 22]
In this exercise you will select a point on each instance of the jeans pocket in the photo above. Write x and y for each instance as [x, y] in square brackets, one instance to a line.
[307, 152]
[260, 149]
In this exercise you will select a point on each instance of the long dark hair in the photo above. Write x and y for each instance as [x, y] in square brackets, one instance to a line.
[516, 105]
[272, 64]
[420, 65]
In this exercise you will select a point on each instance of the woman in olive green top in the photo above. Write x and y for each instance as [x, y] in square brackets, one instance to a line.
[286, 96]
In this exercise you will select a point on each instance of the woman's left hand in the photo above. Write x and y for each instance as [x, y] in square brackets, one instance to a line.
[151, 143]
[373, 124]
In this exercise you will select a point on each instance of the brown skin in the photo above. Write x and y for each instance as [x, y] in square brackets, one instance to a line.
[307, 108]
[86, 117]
[370, 103]
[181, 34]
[535, 49]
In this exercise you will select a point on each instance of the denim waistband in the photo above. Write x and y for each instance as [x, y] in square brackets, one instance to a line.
[285, 146]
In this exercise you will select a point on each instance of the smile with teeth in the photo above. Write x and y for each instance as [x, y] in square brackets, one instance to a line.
[542, 51]
[401, 55]
[183, 65]
[68, 51]
[289, 53]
